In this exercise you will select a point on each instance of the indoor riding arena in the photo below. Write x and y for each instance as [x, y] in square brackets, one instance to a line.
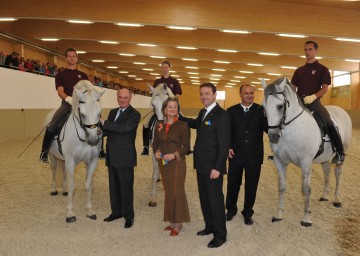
[33, 222]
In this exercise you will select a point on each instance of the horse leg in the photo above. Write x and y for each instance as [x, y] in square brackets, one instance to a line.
[53, 166]
[338, 172]
[64, 185]
[281, 168]
[326, 170]
[155, 178]
[306, 189]
[70, 166]
[90, 169]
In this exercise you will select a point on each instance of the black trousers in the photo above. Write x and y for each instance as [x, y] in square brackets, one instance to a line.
[212, 204]
[235, 175]
[121, 185]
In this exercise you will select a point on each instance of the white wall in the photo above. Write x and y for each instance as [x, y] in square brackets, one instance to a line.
[21, 90]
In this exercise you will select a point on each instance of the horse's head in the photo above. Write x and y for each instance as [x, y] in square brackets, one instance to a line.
[159, 94]
[87, 109]
[280, 101]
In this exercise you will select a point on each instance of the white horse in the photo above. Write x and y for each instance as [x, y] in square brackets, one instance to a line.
[80, 142]
[159, 95]
[295, 138]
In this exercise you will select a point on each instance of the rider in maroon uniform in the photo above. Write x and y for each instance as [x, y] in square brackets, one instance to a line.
[312, 81]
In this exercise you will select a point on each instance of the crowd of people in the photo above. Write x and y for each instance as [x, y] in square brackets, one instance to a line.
[17, 62]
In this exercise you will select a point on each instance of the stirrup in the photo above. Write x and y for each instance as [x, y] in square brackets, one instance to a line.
[145, 151]
[338, 158]
[44, 157]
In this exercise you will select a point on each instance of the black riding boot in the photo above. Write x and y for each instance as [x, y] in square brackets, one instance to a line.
[145, 141]
[48, 138]
[337, 143]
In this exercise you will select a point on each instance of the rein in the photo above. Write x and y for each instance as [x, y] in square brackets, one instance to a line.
[285, 105]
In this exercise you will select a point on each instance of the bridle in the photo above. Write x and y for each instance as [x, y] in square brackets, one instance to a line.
[84, 126]
[283, 122]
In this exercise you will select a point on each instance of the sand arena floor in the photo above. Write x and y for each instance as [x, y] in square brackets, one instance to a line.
[33, 223]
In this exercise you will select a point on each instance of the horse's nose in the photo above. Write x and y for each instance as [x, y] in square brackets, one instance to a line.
[274, 137]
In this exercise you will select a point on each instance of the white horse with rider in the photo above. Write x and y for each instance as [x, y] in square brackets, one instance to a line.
[80, 142]
[295, 137]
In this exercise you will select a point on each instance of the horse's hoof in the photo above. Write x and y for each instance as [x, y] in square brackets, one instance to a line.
[152, 204]
[275, 219]
[305, 224]
[93, 217]
[337, 205]
[65, 193]
[323, 199]
[55, 193]
[70, 219]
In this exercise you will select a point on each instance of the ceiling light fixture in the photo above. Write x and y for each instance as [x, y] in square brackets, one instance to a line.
[347, 39]
[292, 35]
[186, 47]
[139, 63]
[226, 50]
[80, 52]
[50, 39]
[273, 74]
[124, 24]
[108, 42]
[235, 31]
[98, 61]
[215, 75]
[154, 74]
[112, 67]
[255, 64]
[158, 57]
[181, 28]
[81, 21]
[192, 73]
[187, 59]
[123, 72]
[218, 69]
[228, 86]
[352, 60]
[131, 75]
[246, 72]
[148, 45]
[269, 53]
[147, 69]
[8, 19]
[288, 67]
[235, 81]
[222, 61]
[240, 77]
[127, 54]
[139, 79]
[191, 67]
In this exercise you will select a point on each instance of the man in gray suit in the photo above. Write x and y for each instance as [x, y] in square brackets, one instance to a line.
[120, 129]
[210, 153]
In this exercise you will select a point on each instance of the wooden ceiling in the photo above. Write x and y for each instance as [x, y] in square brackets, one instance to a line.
[319, 20]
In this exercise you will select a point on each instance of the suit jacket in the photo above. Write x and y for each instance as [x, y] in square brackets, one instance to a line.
[121, 134]
[247, 134]
[212, 140]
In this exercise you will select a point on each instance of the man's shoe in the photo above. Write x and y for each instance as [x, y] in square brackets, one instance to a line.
[230, 214]
[204, 232]
[338, 158]
[216, 243]
[111, 218]
[44, 157]
[248, 221]
[102, 154]
[129, 223]
[145, 151]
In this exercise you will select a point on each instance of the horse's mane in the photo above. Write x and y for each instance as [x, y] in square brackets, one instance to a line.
[83, 86]
[271, 89]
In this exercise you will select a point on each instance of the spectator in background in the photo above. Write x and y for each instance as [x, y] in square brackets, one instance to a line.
[12, 60]
[2, 58]
[28, 66]
[21, 66]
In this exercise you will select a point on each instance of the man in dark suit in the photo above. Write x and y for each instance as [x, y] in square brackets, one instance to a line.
[248, 122]
[210, 154]
[120, 129]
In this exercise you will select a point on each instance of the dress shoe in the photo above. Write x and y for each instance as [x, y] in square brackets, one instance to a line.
[216, 243]
[230, 214]
[204, 232]
[175, 232]
[168, 228]
[129, 223]
[111, 218]
[248, 220]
